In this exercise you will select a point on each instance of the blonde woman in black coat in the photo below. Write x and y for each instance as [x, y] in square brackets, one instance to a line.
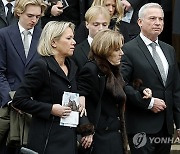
[41, 92]
[100, 78]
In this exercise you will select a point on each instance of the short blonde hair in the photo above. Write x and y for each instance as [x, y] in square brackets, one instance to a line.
[119, 10]
[93, 11]
[20, 6]
[52, 30]
[105, 42]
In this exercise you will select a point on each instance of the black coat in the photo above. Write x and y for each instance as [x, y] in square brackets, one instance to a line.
[82, 32]
[176, 22]
[80, 55]
[74, 13]
[133, 26]
[36, 85]
[108, 127]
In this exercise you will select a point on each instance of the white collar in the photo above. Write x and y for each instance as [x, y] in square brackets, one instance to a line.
[21, 29]
[90, 39]
[146, 40]
[5, 2]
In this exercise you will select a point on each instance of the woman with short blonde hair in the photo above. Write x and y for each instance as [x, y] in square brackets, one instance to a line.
[52, 31]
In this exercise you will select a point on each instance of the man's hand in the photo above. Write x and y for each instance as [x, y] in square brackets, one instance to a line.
[57, 9]
[147, 93]
[178, 133]
[158, 106]
[126, 5]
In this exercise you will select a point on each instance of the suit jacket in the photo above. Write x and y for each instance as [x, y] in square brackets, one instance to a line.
[3, 21]
[80, 55]
[137, 63]
[46, 88]
[133, 26]
[13, 63]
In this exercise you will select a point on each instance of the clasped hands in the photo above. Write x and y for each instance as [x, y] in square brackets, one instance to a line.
[158, 105]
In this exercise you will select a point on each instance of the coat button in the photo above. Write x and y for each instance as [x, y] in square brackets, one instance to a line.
[69, 86]
[107, 128]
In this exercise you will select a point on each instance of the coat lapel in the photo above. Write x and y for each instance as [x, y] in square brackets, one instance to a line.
[2, 12]
[53, 66]
[85, 48]
[16, 39]
[149, 58]
[169, 60]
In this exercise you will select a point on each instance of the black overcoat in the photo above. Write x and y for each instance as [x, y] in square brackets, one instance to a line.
[36, 96]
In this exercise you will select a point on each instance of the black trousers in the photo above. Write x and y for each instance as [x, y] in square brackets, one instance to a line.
[142, 143]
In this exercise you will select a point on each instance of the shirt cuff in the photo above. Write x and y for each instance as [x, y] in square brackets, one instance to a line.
[151, 103]
[8, 103]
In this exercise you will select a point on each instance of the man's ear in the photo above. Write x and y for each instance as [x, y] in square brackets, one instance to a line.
[139, 21]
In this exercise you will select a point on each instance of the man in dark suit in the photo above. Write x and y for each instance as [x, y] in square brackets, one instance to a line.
[149, 121]
[14, 62]
[6, 13]
[97, 18]
[135, 5]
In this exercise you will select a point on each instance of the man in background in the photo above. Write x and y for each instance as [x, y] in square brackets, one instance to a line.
[6, 13]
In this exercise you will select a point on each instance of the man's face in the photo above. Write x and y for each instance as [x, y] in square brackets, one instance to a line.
[152, 24]
[29, 18]
[97, 24]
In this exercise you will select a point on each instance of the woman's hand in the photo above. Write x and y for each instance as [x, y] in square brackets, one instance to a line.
[60, 111]
[147, 93]
[57, 9]
[82, 108]
[86, 141]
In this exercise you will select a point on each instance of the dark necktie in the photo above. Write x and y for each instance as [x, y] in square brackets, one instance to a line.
[9, 13]
[158, 61]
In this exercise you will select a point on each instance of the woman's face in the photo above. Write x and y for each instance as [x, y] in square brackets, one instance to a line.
[111, 6]
[66, 44]
[115, 57]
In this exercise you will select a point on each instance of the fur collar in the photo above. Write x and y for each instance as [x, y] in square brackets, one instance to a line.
[115, 82]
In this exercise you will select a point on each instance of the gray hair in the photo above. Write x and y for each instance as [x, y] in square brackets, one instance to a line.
[143, 9]
[52, 30]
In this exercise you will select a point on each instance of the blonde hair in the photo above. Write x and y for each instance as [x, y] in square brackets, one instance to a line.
[52, 30]
[119, 10]
[105, 42]
[93, 11]
[20, 6]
